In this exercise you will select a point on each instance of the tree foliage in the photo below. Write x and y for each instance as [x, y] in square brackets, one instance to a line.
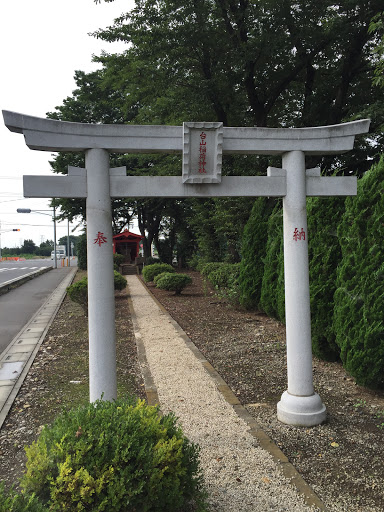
[324, 250]
[253, 250]
[359, 297]
[272, 299]
[262, 63]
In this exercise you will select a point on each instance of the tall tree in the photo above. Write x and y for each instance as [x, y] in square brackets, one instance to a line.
[244, 63]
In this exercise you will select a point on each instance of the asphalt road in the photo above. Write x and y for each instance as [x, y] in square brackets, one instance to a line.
[11, 269]
[20, 304]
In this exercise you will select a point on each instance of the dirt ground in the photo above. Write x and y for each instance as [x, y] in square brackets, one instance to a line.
[342, 459]
[58, 379]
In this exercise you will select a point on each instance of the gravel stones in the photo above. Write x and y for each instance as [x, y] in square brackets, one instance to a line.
[236, 470]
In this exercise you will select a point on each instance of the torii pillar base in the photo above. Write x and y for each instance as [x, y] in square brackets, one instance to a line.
[302, 411]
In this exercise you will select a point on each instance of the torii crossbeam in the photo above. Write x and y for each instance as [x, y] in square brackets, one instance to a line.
[202, 146]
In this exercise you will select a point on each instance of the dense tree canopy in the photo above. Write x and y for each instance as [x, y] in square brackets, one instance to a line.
[264, 63]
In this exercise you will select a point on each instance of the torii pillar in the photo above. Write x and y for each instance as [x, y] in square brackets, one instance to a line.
[202, 146]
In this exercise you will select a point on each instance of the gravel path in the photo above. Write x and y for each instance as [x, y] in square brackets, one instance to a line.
[239, 474]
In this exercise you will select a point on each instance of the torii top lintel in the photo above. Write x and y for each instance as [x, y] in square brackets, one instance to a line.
[51, 135]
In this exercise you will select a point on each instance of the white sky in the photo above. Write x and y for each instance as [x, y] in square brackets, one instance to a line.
[42, 43]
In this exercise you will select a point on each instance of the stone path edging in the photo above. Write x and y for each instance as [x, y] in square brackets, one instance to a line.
[263, 440]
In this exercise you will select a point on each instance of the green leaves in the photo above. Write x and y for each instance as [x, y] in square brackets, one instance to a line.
[127, 457]
[359, 297]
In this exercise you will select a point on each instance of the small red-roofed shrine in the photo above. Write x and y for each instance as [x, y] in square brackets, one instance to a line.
[127, 244]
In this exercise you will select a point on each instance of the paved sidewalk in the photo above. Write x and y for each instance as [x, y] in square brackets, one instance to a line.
[18, 357]
[243, 469]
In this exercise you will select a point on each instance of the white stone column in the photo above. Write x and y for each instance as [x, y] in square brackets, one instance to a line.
[101, 296]
[299, 405]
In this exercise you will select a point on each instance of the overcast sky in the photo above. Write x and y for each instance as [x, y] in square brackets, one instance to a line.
[42, 43]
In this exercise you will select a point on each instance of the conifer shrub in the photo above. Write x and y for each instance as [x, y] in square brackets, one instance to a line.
[12, 501]
[359, 297]
[173, 282]
[272, 299]
[253, 247]
[115, 456]
[150, 271]
[324, 251]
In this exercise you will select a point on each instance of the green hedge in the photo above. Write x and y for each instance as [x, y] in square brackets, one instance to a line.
[272, 299]
[151, 271]
[359, 297]
[173, 282]
[324, 215]
[253, 252]
[115, 456]
[11, 501]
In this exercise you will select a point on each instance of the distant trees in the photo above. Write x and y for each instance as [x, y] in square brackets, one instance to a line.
[30, 248]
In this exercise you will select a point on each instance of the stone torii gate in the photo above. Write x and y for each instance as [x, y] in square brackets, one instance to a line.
[202, 146]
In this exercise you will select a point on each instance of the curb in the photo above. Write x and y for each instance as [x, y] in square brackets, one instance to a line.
[265, 442]
[39, 324]
[18, 281]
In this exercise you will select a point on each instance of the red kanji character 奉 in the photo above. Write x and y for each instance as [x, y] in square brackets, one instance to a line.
[100, 239]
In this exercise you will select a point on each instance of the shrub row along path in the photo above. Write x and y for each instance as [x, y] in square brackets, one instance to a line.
[341, 460]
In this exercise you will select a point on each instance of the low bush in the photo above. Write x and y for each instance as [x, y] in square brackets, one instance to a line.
[115, 456]
[206, 268]
[78, 292]
[159, 276]
[223, 274]
[224, 277]
[150, 271]
[11, 501]
[119, 281]
[118, 259]
[173, 282]
[151, 260]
